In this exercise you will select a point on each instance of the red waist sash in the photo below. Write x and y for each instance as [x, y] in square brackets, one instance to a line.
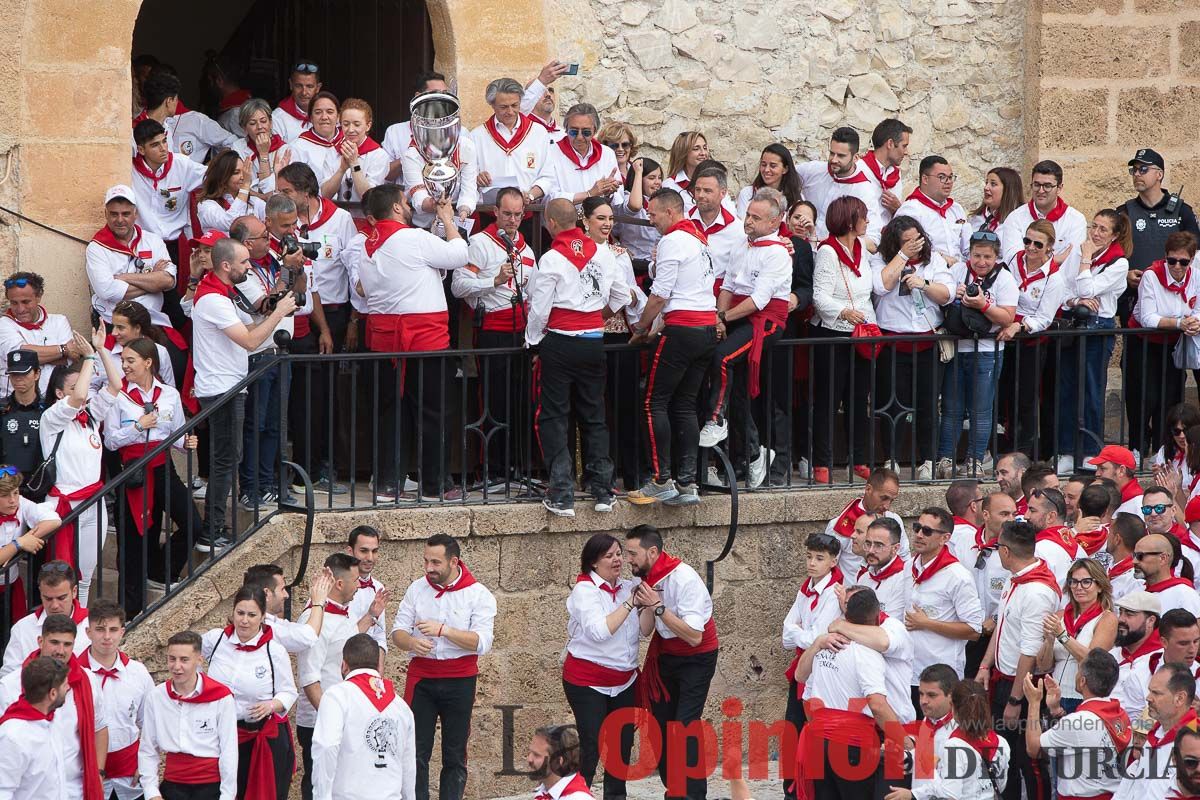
[581, 672]
[421, 668]
[123, 763]
[775, 313]
[691, 319]
[136, 495]
[565, 319]
[192, 770]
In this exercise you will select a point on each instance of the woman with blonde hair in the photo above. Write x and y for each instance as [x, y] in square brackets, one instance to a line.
[624, 143]
[1087, 622]
[364, 163]
[690, 148]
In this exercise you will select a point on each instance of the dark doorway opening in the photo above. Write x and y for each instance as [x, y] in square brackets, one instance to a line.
[372, 49]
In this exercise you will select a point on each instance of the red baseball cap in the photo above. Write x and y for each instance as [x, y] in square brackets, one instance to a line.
[1114, 454]
[1192, 512]
[210, 238]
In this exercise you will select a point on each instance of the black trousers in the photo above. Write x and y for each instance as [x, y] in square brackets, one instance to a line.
[1033, 773]
[282, 753]
[504, 394]
[834, 786]
[794, 715]
[304, 737]
[1152, 386]
[590, 709]
[451, 701]
[1021, 395]
[141, 557]
[189, 791]
[225, 451]
[729, 382]
[627, 433]
[907, 387]
[415, 416]
[841, 379]
[681, 360]
[787, 402]
[687, 679]
[571, 375]
[312, 403]
[975, 653]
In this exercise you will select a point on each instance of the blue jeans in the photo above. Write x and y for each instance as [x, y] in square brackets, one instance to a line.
[1089, 430]
[260, 430]
[969, 387]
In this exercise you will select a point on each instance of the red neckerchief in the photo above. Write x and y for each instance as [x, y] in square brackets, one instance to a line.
[591, 160]
[844, 257]
[1130, 490]
[380, 691]
[1092, 541]
[366, 583]
[109, 241]
[576, 784]
[265, 636]
[575, 247]
[894, 567]
[550, 126]
[723, 221]
[1040, 274]
[235, 99]
[211, 284]
[1155, 588]
[324, 214]
[1113, 253]
[986, 746]
[524, 125]
[967, 522]
[79, 614]
[310, 135]
[943, 559]
[604, 586]
[85, 711]
[381, 233]
[1061, 536]
[941, 723]
[31, 326]
[1114, 718]
[493, 232]
[688, 226]
[210, 692]
[1159, 268]
[1156, 738]
[86, 662]
[924, 200]
[1121, 567]
[369, 145]
[835, 577]
[990, 221]
[663, 567]
[1075, 624]
[1039, 574]
[1153, 642]
[288, 106]
[7, 518]
[681, 180]
[844, 525]
[142, 168]
[982, 544]
[134, 393]
[1184, 536]
[22, 709]
[465, 579]
[889, 181]
[857, 177]
[1056, 213]
[276, 143]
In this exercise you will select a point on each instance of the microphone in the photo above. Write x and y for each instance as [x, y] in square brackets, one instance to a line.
[504, 237]
[148, 408]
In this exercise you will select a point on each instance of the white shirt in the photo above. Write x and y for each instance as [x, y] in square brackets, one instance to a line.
[287, 125]
[949, 595]
[927, 786]
[203, 730]
[220, 362]
[1151, 777]
[760, 270]
[360, 606]
[1125, 583]
[1155, 302]
[104, 265]
[259, 283]
[1105, 283]
[1057, 559]
[477, 283]
[29, 515]
[1019, 623]
[322, 663]
[31, 762]
[809, 616]
[324, 159]
[1038, 302]
[124, 696]
[23, 640]
[215, 216]
[898, 661]
[1134, 687]
[943, 225]
[685, 595]
[353, 257]
[830, 281]
[375, 164]
[559, 790]
[850, 674]
[915, 312]
[848, 561]
[683, 273]
[726, 236]
[1075, 738]
[466, 191]
[165, 371]
[957, 778]
[294, 637]
[195, 134]
[265, 185]
[519, 154]
[821, 188]
[1065, 666]
[396, 140]
[53, 329]
[359, 752]
[558, 283]
[569, 175]
[80, 452]
[589, 638]
[254, 676]
[64, 728]
[894, 592]
[1070, 229]
[118, 424]
[680, 184]
[162, 200]
[403, 277]
[471, 608]
[1179, 596]
[1003, 292]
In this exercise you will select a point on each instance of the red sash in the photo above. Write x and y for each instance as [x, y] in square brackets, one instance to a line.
[944, 559]
[64, 537]
[136, 495]
[691, 319]
[85, 712]
[651, 689]
[1114, 718]
[829, 724]
[122, 763]
[420, 668]
[260, 783]
[581, 672]
[408, 333]
[566, 319]
[524, 125]
[191, 770]
[774, 312]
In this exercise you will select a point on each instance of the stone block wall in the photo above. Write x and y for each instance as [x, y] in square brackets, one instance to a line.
[1114, 76]
[530, 561]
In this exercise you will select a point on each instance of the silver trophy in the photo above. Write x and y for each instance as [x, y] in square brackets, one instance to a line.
[435, 130]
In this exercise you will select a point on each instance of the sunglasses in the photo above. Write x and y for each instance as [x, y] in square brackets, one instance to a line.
[1177, 262]
[586, 133]
[925, 529]
[620, 145]
[1155, 509]
[1178, 431]
[1141, 169]
[19, 282]
[9, 472]
[60, 568]
[984, 236]
[1190, 763]
[306, 68]
[1140, 555]
[1035, 244]
[1082, 583]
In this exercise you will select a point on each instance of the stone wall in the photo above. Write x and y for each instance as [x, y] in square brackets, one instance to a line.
[530, 560]
[791, 72]
[1114, 76]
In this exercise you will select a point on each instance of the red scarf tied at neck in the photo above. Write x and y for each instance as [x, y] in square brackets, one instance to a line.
[465, 579]
[847, 260]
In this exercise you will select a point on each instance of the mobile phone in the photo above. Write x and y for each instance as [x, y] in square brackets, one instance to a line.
[95, 319]
[572, 69]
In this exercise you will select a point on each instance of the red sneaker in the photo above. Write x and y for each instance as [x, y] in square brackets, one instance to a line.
[821, 475]
[862, 471]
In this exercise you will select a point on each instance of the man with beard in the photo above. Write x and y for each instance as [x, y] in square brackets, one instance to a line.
[1009, 471]
[1055, 544]
[884, 571]
[839, 175]
[1153, 560]
[1180, 635]
[1171, 694]
[25, 738]
[1124, 533]
[371, 598]
[1137, 635]
[553, 760]
[882, 489]
[682, 658]
[1186, 756]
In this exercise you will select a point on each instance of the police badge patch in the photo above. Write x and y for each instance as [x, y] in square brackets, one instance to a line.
[11, 425]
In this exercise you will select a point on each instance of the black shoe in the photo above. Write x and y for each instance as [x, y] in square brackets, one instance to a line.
[205, 544]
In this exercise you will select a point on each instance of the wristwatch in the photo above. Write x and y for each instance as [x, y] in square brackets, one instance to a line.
[358, 168]
[659, 610]
[1013, 701]
[721, 316]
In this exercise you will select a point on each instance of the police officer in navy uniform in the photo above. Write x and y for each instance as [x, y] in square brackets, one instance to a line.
[20, 417]
[1153, 216]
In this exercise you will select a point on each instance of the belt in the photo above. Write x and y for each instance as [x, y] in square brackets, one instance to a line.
[333, 306]
[270, 351]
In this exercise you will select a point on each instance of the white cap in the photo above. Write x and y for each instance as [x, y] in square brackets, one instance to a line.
[1142, 601]
[120, 191]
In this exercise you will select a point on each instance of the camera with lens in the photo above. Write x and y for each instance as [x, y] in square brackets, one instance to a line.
[290, 244]
[972, 290]
[1080, 316]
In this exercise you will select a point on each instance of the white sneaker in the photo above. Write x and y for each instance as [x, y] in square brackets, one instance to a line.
[945, 468]
[758, 468]
[972, 468]
[894, 466]
[201, 492]
[988, 466]
[803, 469]
[1137, 460]
[713, 433]
[1066, 465]
[715, 477]
[925, 471]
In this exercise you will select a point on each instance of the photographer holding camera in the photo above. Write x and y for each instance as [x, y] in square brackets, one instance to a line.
[225, 333]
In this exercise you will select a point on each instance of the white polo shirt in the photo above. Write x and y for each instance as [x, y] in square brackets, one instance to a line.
[220, 362]
[1019, 623]
[947, 595]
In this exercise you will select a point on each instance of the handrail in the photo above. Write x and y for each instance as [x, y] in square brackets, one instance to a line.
[731, 535]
